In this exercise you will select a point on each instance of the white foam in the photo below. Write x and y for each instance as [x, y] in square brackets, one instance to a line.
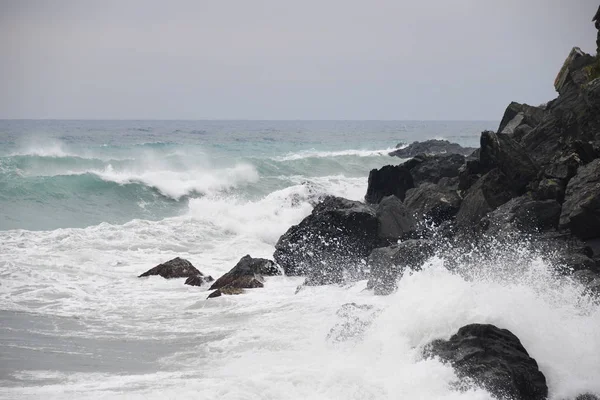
[325, 154]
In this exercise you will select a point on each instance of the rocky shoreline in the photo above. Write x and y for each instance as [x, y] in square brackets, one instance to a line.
[537, 177]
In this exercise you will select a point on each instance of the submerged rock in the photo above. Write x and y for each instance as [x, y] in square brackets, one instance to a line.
[494, 359]
[225, 291]
[247, 273]
[387, 181]
[198, 280]
[433, 146]
[333, 240]
[175, 268]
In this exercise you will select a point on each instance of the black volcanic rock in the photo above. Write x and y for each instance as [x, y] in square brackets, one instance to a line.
[494, 359]
[518, 116]
[434, 146]
[433, 202]
[175, 268]
[524, 214]
[395, 220]
[335, 238]
[198, 280]
[581, 209]
[386, 181]
[433, 168]
[247, 273]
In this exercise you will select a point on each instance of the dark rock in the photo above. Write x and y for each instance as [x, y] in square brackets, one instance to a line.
[573, 262]
[225, 291]
[433, 146]
[581, 209]
[494, 359]
[432, 202]
[247, 273]
[387, 264]
[550, 189]
[338, 234]
[469, 173]
[426, 168]
[198, 280]
[523, 214]
[175, 268]
[395, 220]
[573, 74]
[502, 152]
[386, 181]
[519, 115]
[489, 192]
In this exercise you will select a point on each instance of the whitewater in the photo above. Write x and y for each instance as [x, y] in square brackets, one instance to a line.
[86, 206]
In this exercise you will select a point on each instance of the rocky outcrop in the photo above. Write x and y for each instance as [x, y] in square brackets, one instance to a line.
[523, 214]
[336, 237]
[493, 359]
[247, 273]
[395, 221]
[199, 280]
[432, 203]
[388, 264]
[433, 168]
[387, 181]
[581, 209]
[175, 268]
[519, 119]
[434, 146]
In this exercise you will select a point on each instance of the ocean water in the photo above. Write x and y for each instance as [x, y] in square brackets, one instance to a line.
[86, 206]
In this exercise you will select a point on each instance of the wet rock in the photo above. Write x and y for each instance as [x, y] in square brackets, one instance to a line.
[502, 152]
[175, 268]
[469, 173]
[198, 280]
[225, 291]
[395, 220]
[581, 209]
[387, 181]
[489, 192]
[433, 146]
[433, 168]
[433, 202]
[338, 235]
[493, 359]
[388, 264]
[247, 273]
[524, 214]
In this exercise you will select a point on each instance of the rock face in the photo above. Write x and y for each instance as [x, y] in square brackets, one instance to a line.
[387, 181]
[524, 214]
[494, 359]
[395, 220]
[433, 203]
[433, 146]
[387, 264]
[581, 209]
[247, 273]
[426, 168]
[520, 118]
[338, 234]
[175, 268]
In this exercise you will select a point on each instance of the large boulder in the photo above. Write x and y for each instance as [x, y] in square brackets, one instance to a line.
[247, 273]
[338, 234]
[175, 268]
[433, 168]
[502, 152]
[433, 146]
[524, 214]
[581, 209]
[493, 359]
[386, 181]
[394, 219]
[520, 118]
[489, 192]
[388, 264]
[432, 202]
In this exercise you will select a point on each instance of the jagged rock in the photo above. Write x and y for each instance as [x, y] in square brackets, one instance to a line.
[339, 234]
[432, 202]
[386, 181]
[247, 273]
[387, 264]
[225, 291]
[469, 173]
[572, 73]
[523, 214]
[395, 220]
[493, 359]
[502, 152]
[198, 280]
[432, 168]
[434, 146]
[550, 189]
[517, 116]
[175, 268]
[489, 192]
[581, 209]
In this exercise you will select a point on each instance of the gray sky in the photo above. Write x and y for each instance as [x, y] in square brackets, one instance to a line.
[277, 59]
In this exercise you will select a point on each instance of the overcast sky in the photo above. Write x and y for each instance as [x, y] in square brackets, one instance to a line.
[278, 59]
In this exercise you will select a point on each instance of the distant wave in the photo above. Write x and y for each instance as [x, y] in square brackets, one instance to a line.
[340, 153]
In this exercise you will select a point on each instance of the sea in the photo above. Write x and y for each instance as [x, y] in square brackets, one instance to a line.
[87, 206]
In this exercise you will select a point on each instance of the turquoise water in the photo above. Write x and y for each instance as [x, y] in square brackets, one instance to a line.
[59, 174]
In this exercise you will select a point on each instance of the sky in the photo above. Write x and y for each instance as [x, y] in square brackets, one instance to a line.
[278, 59]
